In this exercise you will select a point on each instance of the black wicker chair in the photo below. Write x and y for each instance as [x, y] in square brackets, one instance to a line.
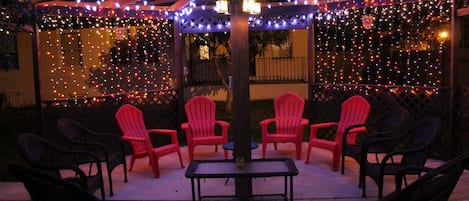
[43, 187]
[389, 125]
[414, 152]
[42, 154]
[436, 185]
[107, 146]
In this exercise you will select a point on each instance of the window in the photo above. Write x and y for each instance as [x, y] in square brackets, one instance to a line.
[204, 52]
[8, 55]
[282, 51]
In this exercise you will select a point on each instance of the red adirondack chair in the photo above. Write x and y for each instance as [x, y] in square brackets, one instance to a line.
[354, 111]
[200, 126]
[131, 122]
[289, 123]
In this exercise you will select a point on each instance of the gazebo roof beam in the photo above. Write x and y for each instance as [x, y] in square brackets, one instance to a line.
[208, 4]
[112, 4]
[179, 4]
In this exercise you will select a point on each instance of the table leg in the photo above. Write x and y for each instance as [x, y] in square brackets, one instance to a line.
[193, 190]
[285, 188]
[198, 189]
[291, 188]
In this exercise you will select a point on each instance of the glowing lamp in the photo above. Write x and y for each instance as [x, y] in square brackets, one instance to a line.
[443, 35]
[221, 6]
[252, 7]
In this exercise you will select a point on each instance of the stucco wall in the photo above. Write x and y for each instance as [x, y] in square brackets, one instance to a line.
[21, 80]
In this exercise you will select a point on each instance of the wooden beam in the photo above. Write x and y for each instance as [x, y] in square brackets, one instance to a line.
[463, 11]
[179, 5]
[64, 3]
[112, 4]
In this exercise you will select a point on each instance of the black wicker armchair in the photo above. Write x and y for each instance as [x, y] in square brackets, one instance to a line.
[389, 125]
[436, 185]
[43, 187]
[107, 146]
[42, 154]
[414, 152]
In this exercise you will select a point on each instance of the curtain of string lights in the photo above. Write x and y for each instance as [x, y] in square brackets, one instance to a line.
[395, 45]
[115, 56]
[120, 52]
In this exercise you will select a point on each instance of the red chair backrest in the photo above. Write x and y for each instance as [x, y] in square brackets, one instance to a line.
[354, 110]
[131, 123]
[288, 110]
[200, 112]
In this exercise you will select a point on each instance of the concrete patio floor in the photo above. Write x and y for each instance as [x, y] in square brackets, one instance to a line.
[315, 181]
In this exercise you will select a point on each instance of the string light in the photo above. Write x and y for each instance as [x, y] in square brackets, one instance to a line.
[401, 48]
[104, 67]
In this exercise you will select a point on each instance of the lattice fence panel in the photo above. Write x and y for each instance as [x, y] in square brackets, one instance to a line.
[326, 100]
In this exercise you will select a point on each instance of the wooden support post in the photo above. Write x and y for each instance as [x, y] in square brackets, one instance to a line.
[311, 58]
[179, 62]
[37, 77]
[240, 72]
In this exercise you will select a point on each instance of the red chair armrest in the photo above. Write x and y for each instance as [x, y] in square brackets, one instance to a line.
[314, 128]
[264, 125]
[222, 123]
[172, 133]
[162, 131]
[128, 138]
[224, 128]
[185, 126]
[266, 122]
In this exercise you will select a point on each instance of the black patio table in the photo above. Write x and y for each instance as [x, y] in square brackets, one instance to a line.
[202, 169]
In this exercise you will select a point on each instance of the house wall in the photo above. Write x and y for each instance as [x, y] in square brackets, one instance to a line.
[268, 67]
[21, 81]
[299, 40]
[299, 43]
